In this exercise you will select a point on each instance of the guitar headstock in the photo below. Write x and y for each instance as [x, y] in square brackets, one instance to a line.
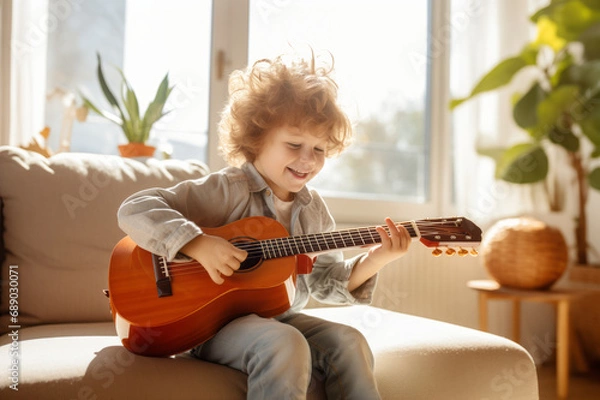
[458, 234]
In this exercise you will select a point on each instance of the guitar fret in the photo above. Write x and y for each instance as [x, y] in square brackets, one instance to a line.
[364, 233]
[301, 243]
[273, 250]
[332, 243]
[279, 244]
[324, 241]
[262, 248]
[312, 247]
[315, 243]
[291, 250]
[373, 240]
[362, 236]
[344, 239]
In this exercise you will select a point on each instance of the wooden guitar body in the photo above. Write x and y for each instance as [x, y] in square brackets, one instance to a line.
[156, 326]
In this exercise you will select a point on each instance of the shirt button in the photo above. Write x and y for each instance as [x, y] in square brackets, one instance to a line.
[268, 192]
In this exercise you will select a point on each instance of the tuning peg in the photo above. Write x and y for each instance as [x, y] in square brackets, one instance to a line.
[463, 252]
[437, 252]
[474, 252]
[450, 251]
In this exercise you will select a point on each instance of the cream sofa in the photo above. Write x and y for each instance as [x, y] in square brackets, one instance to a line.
[58, 231]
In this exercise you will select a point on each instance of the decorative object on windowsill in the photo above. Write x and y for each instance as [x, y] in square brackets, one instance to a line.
[39, 143]
[127, 114]
[524, 253]
[559, 112]
[70, 112]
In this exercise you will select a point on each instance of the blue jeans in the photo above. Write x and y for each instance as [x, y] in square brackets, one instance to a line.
[280, 357]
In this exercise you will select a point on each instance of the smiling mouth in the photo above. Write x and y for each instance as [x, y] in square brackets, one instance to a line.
[298, 173]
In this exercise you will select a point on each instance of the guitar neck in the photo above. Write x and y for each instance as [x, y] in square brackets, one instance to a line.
[321, 242]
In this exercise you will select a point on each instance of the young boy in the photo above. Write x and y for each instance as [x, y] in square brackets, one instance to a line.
[281, 122]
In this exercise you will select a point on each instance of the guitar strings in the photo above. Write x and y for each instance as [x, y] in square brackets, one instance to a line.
[287, 246]
[323, 241]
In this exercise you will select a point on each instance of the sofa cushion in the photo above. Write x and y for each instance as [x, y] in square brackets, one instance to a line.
[415, 358]
[62, 256]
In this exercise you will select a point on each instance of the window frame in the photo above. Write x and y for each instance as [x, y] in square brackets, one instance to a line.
[230, 52]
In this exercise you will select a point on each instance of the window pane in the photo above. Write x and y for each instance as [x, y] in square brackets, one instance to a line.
[146, 39]
[377, 46]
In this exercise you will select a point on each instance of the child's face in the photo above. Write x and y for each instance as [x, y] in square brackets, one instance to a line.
[289, 158]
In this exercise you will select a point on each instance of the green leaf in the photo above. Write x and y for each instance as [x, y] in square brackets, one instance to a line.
[586, 75]
[130, 102]
[552, 109]
[572, 17]
[562, 64]
[523, 163]
[495, 153]
[154, 112]
[590, 124]
[529, 54]
[592, 4]
[525, 110]
[594, 178]
[106, 90]
[111, 117]
[499, 76]
[590, 39]
[564, 138]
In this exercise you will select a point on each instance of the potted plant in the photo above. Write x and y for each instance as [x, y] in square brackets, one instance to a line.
[126, 113]
[561, 108]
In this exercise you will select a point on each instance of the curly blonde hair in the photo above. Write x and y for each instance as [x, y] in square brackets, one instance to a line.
[274, 93]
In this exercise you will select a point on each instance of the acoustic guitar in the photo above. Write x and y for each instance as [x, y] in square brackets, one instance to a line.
[163, 308]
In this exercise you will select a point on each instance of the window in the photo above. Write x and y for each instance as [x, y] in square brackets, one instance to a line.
[380, 88]
[146, 39]
[390, 65]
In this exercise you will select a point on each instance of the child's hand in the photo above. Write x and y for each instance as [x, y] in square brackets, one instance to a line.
[216, 255]
[393, 246]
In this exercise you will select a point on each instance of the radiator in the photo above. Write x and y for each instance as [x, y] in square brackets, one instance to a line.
[433, 287]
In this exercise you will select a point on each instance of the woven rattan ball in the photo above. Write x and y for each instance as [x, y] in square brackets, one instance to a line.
[524, 253]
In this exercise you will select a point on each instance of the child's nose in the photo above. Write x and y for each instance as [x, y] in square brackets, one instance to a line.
[308, 155]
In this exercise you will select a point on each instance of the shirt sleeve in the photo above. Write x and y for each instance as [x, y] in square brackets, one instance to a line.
[329, 281]
[329, 278]
[162, 221]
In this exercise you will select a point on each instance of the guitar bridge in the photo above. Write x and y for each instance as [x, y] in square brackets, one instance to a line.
[161, 273]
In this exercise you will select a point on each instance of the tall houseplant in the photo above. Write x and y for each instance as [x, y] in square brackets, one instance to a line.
[126, 112]
[561, 108]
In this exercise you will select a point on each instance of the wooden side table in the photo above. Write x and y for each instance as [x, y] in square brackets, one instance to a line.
[560, 297]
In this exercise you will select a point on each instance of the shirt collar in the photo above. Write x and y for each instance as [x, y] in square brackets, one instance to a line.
[256, 183]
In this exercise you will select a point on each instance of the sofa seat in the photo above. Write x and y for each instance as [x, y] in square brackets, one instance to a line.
[59, 226]
[416, 358]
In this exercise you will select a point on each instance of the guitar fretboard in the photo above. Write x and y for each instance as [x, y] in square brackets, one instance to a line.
[319, 242]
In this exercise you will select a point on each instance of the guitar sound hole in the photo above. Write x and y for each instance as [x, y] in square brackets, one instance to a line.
[252, 261]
